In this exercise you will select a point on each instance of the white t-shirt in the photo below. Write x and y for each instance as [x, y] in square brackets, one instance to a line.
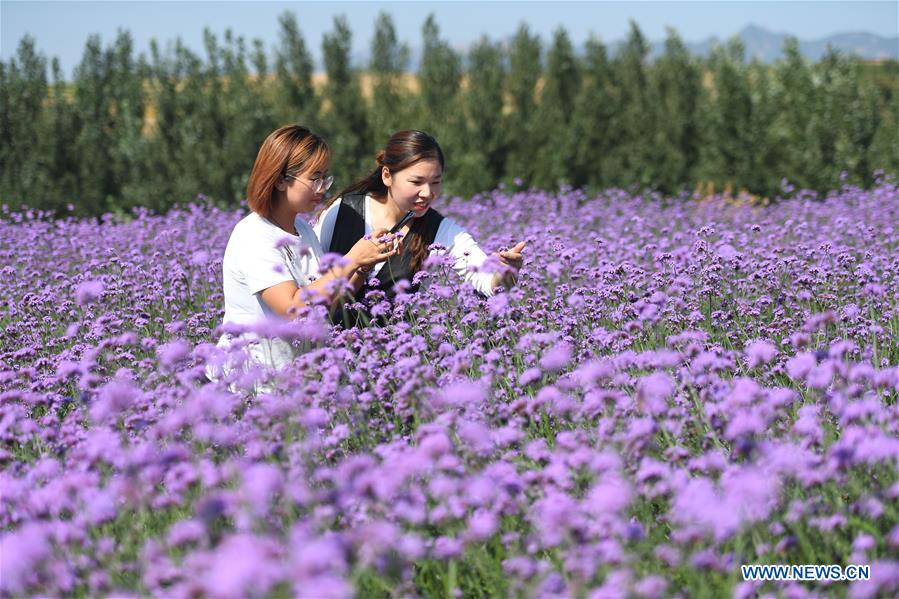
[259, 255]
[461, 246]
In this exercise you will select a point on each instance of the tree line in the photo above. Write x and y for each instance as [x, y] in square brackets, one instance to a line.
[155, 130]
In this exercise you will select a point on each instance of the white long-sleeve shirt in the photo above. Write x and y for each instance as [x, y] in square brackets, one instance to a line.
[468, 256]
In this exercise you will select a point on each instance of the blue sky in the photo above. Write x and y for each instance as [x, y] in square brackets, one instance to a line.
[61, 28]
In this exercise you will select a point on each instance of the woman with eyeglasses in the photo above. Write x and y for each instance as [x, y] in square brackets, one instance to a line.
[271, 262]
[408, 177]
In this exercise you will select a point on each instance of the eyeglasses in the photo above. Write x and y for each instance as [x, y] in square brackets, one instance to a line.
[319, 184]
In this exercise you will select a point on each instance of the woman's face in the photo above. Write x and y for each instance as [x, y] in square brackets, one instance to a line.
[414, 187]
[300, 190]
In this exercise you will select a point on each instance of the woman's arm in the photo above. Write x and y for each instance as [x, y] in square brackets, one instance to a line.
[469, 256]
[286, 298]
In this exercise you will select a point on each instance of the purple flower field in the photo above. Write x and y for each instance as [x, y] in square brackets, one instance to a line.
[673, 389]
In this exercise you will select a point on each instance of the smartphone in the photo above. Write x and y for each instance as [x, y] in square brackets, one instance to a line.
[409, 216]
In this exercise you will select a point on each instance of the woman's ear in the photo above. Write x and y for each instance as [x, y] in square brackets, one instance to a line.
[281, 183]
[386, 176]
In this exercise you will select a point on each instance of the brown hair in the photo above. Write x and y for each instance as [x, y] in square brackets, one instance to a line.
[290, 149]
[403, 149]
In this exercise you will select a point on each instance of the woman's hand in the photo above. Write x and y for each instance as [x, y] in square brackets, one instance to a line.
[512, 258]
[286, 298]
[377, 247]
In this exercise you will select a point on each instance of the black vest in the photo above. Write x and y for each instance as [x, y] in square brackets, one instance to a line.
[350, 228]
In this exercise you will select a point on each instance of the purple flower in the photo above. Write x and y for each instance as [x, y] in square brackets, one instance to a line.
[557, 357]
[653, 392]
[521, 567]
[23, 551]
[727, 252]
[609, 496]
[651, 587]
[185, 532]
[745, 423]
[750, 492]
[698, 503]
[169, 354]
[461, 394]
[481, 526]
[498, 304]
[331, 260]
[646, 361]
[475, 436]
[261, 484]
[800, 365]
[553, 515]
[114, 398]
[88, 292]
[883, 582]
[893, 537]
[315, 557]
[324, 587]
[241, 566]
[759, 353]
[436, 444]
[531, 375]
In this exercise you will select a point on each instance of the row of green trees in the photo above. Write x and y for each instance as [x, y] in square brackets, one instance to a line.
[154, 130]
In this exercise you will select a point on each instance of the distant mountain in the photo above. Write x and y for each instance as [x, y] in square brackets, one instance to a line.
[766, 45]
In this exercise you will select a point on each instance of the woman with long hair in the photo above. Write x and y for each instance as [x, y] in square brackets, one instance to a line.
[271, 265]
[408, 177]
